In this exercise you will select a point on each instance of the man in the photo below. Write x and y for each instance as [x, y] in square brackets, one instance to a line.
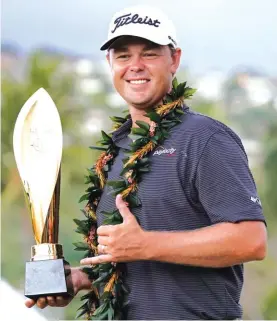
[200, 218]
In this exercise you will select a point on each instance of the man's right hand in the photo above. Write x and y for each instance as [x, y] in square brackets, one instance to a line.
[80, 281]
[53, 301]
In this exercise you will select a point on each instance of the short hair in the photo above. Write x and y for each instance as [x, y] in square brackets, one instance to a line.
[172, 50]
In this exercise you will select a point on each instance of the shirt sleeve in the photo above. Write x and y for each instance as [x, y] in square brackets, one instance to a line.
[225, 185]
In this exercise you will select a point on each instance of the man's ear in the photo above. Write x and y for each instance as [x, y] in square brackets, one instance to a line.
[176, 57]
[108, 57]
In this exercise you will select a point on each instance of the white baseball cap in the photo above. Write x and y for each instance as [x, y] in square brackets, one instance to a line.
[144, 22]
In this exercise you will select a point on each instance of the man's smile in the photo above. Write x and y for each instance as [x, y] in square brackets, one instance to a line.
[142, 82]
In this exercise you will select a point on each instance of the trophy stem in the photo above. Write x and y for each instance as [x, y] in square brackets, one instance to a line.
[51, 229]
[46, 251]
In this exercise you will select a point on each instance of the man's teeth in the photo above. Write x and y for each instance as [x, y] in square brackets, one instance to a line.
[141, 81]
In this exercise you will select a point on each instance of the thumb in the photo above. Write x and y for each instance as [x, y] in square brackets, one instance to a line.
[122, 207]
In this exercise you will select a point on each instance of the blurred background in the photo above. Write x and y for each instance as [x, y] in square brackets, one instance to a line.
[229, 54]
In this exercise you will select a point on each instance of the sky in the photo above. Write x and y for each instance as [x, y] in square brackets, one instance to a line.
[213, 34]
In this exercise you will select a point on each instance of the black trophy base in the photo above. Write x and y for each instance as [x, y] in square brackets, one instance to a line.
[48, 278]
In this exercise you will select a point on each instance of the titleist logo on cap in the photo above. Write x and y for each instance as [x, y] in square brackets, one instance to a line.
[128, 18]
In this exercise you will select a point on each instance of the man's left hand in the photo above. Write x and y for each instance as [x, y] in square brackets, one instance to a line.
[120, 243]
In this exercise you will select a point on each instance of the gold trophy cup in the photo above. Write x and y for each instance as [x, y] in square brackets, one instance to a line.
[37, 142]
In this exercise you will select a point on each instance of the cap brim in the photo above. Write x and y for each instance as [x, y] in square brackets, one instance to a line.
[109, 42]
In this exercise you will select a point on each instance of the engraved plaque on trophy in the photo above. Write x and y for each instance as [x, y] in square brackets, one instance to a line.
[37, 142]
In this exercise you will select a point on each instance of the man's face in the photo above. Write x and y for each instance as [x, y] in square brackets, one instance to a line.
[141, 70]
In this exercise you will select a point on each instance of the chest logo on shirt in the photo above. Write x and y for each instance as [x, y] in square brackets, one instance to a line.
[168, 151]
[256, 200]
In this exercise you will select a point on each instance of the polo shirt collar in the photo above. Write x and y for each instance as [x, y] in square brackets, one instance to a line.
[120, 136]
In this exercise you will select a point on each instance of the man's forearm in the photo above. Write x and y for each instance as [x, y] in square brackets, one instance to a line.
[220, 245]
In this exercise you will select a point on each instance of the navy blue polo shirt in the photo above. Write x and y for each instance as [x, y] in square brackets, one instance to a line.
[199, 177]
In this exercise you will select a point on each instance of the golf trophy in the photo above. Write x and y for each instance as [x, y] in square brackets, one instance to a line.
[37, 143]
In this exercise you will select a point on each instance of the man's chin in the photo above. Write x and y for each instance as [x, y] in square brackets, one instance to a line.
[141, 104]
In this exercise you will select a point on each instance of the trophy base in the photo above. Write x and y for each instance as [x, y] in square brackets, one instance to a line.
[48, 278]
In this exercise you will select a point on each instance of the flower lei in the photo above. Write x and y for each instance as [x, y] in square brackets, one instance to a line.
[109, 276]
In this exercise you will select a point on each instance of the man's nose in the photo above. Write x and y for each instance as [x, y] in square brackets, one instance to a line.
[137, 64]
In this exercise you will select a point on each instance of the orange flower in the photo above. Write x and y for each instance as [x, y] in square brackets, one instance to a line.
[165, 109]
[89, 210]
[129, 190]
[110, 284]
[141, 152]
[100, 163]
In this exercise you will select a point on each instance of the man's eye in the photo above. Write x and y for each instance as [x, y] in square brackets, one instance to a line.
[123, 57]
[150, 54]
